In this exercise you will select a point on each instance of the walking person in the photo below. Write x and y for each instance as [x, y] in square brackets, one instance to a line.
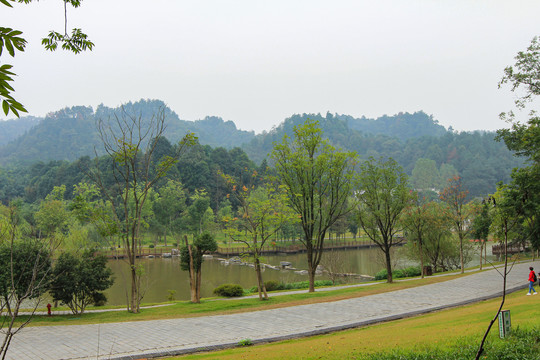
[532, 280]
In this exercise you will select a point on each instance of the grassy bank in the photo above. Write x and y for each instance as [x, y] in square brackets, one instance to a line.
[453, 334]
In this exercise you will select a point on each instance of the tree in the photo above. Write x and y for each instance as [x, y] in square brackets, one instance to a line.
[25, 265]
[518, 203]
[129, 142]
[416, 221]
[318, 181]
[12, 41]
[261, 214]
[169, 206]
[454, 195]
[382, 195]
[52, 215]
[507, 206]
[524, 138]
[191, 259]
[198, 214]
[480, 228]
[425, 174]
[80, 279]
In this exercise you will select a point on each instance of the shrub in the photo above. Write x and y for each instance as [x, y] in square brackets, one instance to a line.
[293, 286]
[151, 246]
[245, 342]
[272, 285]
[229, 290]
[399, 273]
[100, 299]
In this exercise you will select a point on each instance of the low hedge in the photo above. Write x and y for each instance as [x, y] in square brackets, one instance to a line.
[399, 273]
[272, 285]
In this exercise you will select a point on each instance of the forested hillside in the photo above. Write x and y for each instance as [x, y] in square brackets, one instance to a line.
[12, 129]
[403, 125]
[50, 147]
[71, 132]
[475, 156]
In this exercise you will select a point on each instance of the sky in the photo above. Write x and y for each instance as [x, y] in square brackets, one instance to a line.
[258, 62]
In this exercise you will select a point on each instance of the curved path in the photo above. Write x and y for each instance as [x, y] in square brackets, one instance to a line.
[147, 339]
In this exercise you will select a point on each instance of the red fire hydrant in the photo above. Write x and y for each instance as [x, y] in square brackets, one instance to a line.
[49, 309]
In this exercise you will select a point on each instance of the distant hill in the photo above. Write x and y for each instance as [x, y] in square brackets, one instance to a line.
[361, 135]
[402, 126]
[71, 132]
[12, 129]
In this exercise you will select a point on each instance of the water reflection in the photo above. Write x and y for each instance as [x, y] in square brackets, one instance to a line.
[165, 274]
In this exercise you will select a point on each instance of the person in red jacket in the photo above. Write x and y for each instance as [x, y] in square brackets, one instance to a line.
[532, 279]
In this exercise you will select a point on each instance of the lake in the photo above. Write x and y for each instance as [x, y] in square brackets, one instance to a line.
[164, 274]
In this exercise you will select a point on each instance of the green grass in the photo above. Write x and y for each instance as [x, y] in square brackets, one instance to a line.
[454, 331]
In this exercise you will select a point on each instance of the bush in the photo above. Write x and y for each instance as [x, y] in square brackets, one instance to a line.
[229, 290]
[293, 286]
[272, 285]
[99, 299]
[399, 273]
[151, 246]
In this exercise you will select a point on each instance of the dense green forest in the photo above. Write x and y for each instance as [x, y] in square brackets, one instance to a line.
[71, 133]
[51, 152]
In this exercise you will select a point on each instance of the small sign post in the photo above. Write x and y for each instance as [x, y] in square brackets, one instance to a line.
[504, 323]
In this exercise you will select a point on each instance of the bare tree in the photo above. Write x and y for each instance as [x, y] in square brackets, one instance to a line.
[130, 142]
[505, 220]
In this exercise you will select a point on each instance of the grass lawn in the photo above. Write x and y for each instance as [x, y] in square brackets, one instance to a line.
[441, 330]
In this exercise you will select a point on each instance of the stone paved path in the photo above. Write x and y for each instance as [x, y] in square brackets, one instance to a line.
[146, 339]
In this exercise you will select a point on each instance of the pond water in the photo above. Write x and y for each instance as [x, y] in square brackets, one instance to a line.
[163, 275]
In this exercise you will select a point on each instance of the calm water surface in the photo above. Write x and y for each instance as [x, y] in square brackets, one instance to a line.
[165, 274]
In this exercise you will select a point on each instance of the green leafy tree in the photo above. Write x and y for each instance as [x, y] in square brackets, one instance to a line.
[415, 219]
[199, 215]
[513, 204]
[170, 205]
[480, 228]
[382, 194]
[425, 174]
[52, 216]
[462, 213]
[25, 266]
[261, 214]
[12, 41]
[191, 259]
[318, 181]
[80, 279]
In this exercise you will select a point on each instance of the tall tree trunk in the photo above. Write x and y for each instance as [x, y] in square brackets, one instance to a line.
[260, 282]
[461, 253]
[311, 270]
[198, 285]
[388, 263]
[481, 250]
[134, 288]
[421, 258]
[192, 279]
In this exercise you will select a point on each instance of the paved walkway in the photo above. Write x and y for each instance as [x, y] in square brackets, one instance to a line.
[147, 339]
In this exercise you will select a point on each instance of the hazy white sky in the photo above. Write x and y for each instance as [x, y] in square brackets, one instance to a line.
[258, 62]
